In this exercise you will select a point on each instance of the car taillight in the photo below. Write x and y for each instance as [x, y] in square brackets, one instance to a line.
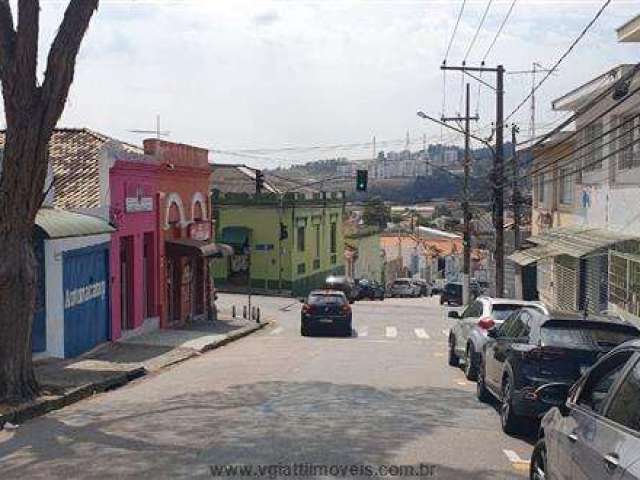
[486, 323]
[346, 309]
[544, 353]
[306, 308]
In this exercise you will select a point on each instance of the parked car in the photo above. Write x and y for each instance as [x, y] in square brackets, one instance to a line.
[326, 309]
[343, 284]
[593, 429]
[403, 287]
[469, 333]
[451, 294]
[370, 289]
[423, 286]
[531, 349]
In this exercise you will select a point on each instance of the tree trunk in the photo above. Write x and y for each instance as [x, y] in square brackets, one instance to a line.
[17, 292]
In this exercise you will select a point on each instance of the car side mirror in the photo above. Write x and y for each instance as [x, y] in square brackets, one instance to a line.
[453, 314]
[492, 332]
[555, 395]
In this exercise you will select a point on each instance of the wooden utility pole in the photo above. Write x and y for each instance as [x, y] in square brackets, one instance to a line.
[466, 266]
[498, 169]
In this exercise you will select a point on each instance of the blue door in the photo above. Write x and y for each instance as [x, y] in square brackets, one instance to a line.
[86, 298]
[39, 329]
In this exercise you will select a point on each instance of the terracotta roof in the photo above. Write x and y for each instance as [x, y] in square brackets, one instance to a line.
[75, 155]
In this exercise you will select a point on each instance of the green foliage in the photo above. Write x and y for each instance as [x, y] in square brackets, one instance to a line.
[376, 213]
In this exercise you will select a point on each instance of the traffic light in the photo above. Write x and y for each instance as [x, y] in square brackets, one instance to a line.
[362, 177]
[259, 181]
[284, 232]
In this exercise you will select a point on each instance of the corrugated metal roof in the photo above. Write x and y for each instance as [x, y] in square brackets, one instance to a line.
[58, 223]
[530, 255]
[578, 241]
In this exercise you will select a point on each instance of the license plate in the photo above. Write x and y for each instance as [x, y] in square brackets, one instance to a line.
[325, 320]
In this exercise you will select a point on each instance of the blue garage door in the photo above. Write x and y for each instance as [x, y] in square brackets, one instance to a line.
[39, 329]
[86, 298]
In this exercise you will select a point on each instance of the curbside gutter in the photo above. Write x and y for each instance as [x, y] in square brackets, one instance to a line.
[44, 405]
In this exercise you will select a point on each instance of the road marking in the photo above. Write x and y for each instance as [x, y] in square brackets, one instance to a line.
[462, 384]
[438, 354]
[363, 332]
[277, 331]
[517, 462]
[445, 333]
[391, 332]
[421, 333]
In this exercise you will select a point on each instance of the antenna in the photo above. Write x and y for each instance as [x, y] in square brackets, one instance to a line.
[157, 132]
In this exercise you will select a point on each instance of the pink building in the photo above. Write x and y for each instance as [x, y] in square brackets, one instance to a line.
[135, 264]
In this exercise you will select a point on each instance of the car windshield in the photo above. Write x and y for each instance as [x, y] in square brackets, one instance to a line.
[401, 283]
[501, 311]
[326, 299]
[575, 336]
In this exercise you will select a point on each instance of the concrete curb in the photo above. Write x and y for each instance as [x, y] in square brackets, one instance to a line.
[45, 405]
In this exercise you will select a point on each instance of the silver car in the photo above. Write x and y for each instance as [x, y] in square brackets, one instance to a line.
[403, 287]
[594, 431]
[468, 334]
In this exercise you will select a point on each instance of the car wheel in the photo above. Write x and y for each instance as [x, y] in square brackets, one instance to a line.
[454, 361]
[538, 469]
[470, 365]
[304, 331]
[481, 390]
[510, 422]
[347, 331]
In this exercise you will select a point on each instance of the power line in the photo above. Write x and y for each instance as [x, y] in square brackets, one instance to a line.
[560, 60]
[455, 30]
[475, 36]
[495, 39]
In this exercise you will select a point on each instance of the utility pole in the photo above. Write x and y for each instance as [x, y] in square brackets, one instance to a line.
[466, 266]
[516, 209]
[498, 168]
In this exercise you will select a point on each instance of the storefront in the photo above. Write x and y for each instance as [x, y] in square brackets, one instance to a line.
[135, 261]
[73, 302]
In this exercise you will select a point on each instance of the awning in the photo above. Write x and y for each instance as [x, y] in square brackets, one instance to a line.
[190, 247]
[578, 241]
[530, 255]
[57, 223]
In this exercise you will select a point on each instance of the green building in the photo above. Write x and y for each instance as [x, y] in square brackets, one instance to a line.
[283, 242]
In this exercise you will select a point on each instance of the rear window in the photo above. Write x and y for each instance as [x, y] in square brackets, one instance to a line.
[401, 283]
[453, 288]
[592, 337]
[327, 299]
[502, 310]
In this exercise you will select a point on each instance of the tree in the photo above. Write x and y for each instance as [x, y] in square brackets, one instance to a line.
[376, 213]
[32, 110]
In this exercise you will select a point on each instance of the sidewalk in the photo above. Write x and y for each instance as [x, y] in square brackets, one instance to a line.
[112, 365]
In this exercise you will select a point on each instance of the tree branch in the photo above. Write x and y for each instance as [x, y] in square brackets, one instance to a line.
[62, 58]
[26, 47]
[7, 37]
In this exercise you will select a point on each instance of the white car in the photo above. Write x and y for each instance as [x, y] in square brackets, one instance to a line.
[404, 287]
[469, 333]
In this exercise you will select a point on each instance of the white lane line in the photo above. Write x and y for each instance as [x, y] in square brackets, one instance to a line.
[362, 332]
[514, 457]
[445, 333]
[391, 332]
[421, 333]
[277, 331]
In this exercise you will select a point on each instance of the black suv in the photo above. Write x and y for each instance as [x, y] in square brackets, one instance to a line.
[531, 349]
[451, 294]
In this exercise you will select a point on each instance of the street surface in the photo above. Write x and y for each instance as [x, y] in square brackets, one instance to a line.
[386, 396]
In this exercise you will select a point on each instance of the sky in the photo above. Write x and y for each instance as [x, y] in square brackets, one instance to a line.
[252, 78]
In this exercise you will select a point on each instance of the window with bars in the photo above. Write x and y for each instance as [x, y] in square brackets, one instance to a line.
[541, 187]
[628, 132]
[624, 282]
[566, 186]
[592, 152]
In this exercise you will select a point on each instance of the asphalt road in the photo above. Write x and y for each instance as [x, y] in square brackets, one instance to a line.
[383, 399]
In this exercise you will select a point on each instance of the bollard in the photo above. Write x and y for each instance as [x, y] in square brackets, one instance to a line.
[258, 315]
[244, 312]
[253, 313]
[233, 311]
